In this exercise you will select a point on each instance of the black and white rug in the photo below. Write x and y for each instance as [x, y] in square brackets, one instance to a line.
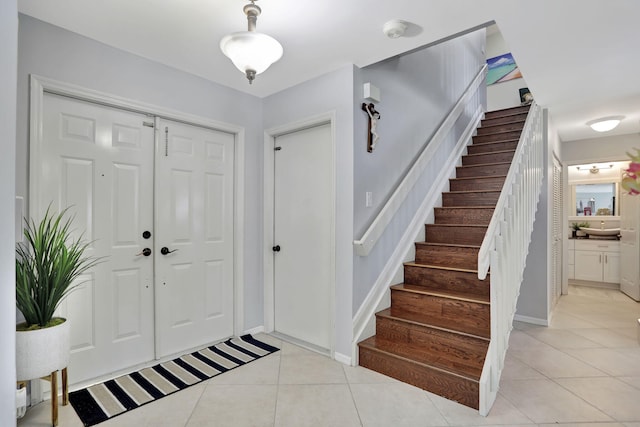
[106, 400]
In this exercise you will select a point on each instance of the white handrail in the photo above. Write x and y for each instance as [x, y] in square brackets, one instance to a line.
[505, 247]
[382, 220]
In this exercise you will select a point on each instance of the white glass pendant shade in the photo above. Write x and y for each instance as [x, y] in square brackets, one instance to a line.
[251, 51]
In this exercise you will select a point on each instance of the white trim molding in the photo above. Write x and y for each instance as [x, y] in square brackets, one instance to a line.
[268, 219]
[39, 85]
[531, 320]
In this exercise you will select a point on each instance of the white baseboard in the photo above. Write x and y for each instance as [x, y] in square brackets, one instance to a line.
[531, 320]
[253, 331]
[342, 358]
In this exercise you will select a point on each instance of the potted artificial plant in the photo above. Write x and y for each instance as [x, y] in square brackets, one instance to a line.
[47, 264]
[574, 229]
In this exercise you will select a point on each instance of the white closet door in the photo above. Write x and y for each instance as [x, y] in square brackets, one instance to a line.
[629, 245]
[194, 222]
[303, 223]
[557, 236]
[99, 161]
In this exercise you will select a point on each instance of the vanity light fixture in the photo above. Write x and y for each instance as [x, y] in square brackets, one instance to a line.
[596, 168]
[251, 52]
[605, 124]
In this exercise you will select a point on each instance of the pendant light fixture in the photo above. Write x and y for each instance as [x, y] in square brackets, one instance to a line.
[251, 52]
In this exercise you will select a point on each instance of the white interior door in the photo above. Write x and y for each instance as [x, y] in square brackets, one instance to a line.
[303, 207]
[99, 160]
[194, 222]
[629, 246]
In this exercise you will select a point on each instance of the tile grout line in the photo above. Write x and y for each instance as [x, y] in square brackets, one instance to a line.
[353, 399]
[275, 404]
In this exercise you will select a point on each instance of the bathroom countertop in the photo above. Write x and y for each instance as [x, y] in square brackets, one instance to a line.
[595, 238]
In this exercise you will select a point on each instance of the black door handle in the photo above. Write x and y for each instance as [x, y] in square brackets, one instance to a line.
[165, 250]
[276, 248]
[145, 252]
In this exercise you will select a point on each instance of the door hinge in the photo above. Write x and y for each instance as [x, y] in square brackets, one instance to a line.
[277, 148]
[166, 141]
[147, 124]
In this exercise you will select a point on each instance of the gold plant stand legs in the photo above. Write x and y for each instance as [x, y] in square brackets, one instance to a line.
[53, 379]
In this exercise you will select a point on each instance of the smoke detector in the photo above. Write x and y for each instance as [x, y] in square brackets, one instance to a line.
[394, 28]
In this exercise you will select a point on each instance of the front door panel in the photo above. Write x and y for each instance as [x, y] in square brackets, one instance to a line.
[194, 222]
[99, 161]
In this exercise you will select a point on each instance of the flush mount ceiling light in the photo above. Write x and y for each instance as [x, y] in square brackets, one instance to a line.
[605, 124]
[251, 52]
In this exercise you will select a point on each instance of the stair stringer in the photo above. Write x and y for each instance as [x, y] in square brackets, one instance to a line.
[378, 297]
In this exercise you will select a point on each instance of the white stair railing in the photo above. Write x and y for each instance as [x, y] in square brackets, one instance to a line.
[505, 247]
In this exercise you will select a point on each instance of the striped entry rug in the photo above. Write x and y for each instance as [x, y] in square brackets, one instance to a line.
[106, 400]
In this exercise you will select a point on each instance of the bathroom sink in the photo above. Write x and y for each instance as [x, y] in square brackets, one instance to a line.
[601, 231]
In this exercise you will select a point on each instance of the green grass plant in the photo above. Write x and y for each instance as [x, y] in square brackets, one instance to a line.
[47, 265]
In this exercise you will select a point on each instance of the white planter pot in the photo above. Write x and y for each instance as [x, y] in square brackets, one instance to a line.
[40, 352]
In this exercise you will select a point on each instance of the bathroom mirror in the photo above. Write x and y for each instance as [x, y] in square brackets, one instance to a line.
[596, 199]
[594, 189]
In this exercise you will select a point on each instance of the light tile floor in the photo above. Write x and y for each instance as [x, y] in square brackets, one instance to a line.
[582, 371]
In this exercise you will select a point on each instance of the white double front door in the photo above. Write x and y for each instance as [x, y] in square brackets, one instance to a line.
[155, 199]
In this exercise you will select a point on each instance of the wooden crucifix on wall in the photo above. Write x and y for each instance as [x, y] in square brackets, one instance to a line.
[374, 116]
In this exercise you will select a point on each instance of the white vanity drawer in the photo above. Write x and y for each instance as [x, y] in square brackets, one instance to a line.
[598, 245]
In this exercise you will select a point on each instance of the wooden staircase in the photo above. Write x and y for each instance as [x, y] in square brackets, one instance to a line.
[436, 333]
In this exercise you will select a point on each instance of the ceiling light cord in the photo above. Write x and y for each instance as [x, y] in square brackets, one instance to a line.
[252, 11]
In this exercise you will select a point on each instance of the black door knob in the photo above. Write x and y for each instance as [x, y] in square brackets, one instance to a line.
[165, 250]
[146, 234]
[276, 248]
[145, 252]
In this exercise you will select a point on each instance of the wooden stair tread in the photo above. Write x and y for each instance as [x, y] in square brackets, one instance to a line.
[459, 225]
[497, 142]
[475, 178]
[438, 267]
[387, 313]
[519, 121]
[464, 207]
[447, 244]
[484, 164]
[497, 133]
[503, 112]
[471, 191]
[370, 343]
[491, 153]
[453, 295]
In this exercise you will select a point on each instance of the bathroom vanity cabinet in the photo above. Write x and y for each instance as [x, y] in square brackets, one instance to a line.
[597, 260]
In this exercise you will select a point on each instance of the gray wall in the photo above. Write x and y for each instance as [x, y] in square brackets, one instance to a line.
[533, 301]
[608, 148]
[55, 53]
[505, 94]
[332, 92]
[8, 67]
[417, 92]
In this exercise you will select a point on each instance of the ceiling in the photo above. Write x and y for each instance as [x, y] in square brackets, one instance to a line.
[579, 57]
